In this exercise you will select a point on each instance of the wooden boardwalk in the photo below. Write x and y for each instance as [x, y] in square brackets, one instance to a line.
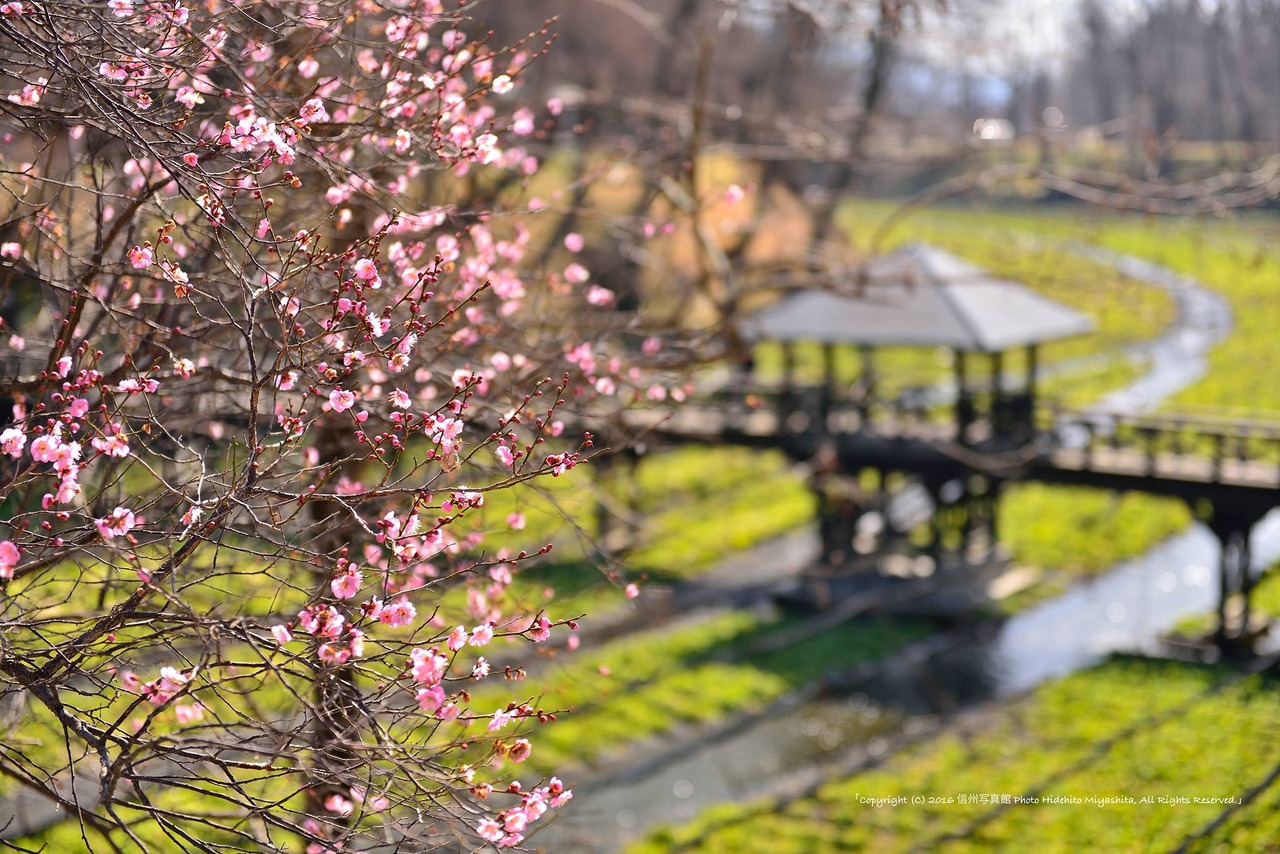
[1227, 471]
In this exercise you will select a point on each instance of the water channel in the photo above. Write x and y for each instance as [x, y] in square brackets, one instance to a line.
[1127, 609]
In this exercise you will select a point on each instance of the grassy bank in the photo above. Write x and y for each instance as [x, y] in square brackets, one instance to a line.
[695, 675]
[1235, 256]
[1128, 729]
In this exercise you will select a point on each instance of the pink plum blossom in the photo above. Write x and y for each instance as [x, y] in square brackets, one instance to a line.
[117, 523]
[338, 805]
[489, 830]
[333, 653]
[398, 613]
[341, 399]
[10, 554]
[599, 296]
[481, 635]
[427, 666]
[430, 699]
[187, 713]
[541, 630]
[12, 441]
[346, 584]
[141, 257]
[520, 750]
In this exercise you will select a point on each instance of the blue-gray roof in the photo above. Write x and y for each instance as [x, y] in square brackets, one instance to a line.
[921, 296]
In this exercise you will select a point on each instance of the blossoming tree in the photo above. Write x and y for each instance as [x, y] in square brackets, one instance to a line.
[269, 344]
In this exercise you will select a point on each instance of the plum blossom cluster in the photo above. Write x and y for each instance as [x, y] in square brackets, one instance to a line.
[162, 690]
[10, 554]
[507, 828]
[60, 438]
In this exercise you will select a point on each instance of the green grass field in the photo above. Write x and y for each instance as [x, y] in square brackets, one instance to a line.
[1084, 531]
[691, 675]
[1235, 256]
[1127, 729]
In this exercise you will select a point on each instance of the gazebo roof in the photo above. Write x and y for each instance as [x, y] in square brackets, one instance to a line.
[921, 296]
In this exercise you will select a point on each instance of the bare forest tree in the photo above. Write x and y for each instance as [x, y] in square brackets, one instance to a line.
[1182, 70]
[793, 90]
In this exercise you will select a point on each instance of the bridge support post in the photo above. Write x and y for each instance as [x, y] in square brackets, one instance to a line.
[980, 507]
[787, 399]
[963, 405]
[996, 361]
[1033, 353]
[837, 501]
[837, 523]
[939, 521]
[1233, 569]
[1232, 526]
[867, 383]
[991, 506]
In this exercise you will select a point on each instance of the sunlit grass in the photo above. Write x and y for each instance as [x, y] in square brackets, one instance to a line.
[652, 682]
[1232, 255]
[1129, 728]
[1084, 531]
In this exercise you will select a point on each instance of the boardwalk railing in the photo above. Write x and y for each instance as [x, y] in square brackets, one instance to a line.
[1199, 447]
[1175, 446]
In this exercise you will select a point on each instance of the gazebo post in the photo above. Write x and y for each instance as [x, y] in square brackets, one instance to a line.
[997, 392]
[1033, 352]
[828, 380]
[868, 381]
[964, 407]
[788, 375]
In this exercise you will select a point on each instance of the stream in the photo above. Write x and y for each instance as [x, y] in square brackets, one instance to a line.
[1124, 610]
[1179, 357]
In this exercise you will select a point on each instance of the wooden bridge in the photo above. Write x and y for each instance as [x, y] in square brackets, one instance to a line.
[1227, 471]
[961, 444]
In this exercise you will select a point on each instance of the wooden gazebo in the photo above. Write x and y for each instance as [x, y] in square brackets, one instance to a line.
[924, 297]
